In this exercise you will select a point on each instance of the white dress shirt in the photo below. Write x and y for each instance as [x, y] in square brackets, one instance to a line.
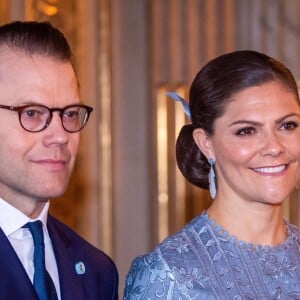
[11, 222]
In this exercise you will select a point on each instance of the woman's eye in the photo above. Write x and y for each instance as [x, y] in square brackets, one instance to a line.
[246, 131]
[289, 125]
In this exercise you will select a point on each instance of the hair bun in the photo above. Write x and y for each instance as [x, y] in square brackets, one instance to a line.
[190, 160]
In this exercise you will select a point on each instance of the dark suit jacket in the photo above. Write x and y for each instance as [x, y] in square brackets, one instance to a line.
[99, 282]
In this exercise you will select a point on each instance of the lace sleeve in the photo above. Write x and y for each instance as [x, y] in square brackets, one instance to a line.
[149, 278]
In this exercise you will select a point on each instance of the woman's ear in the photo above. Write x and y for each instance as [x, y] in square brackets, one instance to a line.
[203, 141]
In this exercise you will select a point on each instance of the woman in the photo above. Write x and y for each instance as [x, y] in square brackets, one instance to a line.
[244, 146]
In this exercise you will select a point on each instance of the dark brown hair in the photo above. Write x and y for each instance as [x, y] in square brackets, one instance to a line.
[211, 90]
[36, 38]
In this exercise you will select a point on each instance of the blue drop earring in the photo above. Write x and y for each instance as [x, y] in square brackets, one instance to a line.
[211, 179]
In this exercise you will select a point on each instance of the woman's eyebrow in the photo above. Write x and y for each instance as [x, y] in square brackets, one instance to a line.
[255, 123]
[248, 122]
[287, 116]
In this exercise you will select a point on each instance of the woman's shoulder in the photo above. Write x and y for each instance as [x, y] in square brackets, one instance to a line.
[175, 250]
[293, 229]
[172, 260]
[293, 236]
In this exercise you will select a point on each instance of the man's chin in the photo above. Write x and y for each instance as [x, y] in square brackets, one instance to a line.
[51, 194]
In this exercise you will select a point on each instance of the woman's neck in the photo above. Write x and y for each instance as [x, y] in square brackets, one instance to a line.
[258, 224]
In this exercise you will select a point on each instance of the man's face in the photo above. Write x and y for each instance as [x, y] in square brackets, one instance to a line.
[35, 166]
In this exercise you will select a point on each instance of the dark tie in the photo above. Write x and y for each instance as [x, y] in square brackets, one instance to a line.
[42, 281]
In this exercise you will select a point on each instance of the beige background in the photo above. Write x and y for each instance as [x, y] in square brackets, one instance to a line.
[126, 193]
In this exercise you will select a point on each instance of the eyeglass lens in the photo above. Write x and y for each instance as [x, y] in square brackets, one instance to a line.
[36, 118]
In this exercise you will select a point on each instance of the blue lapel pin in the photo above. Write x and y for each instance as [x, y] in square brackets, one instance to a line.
[80, 268]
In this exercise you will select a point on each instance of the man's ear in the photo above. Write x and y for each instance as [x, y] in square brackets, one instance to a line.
[203, 141]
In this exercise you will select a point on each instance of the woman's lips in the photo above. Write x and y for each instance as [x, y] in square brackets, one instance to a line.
[271, 170]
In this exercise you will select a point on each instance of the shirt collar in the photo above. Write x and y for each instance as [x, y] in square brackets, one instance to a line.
[11, 219]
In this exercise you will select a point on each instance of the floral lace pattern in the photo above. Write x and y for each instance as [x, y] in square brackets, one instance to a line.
[204, 262]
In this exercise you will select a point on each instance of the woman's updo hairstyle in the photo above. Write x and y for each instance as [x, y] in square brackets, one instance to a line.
[211, 90]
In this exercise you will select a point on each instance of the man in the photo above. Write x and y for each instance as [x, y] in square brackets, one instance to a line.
[40, 119]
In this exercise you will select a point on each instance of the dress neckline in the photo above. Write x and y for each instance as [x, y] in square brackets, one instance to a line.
[223, 234]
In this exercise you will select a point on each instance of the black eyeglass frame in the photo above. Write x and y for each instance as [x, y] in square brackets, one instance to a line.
[61, 111]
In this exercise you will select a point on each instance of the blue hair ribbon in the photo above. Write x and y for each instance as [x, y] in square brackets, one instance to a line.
[185, 104]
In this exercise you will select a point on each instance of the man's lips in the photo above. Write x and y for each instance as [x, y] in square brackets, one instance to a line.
[271, 170]
[56, 164]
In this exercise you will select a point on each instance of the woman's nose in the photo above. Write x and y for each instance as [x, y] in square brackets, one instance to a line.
[272, 145]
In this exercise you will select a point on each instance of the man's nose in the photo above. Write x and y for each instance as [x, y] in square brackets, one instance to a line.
[55, 132]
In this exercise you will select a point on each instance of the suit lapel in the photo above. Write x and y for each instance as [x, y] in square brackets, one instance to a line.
[71, 284]
[14, 281]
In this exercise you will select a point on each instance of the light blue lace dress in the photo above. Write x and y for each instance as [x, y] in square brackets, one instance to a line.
[203, 262]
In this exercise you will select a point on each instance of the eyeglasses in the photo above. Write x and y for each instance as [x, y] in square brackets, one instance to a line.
[35, 118]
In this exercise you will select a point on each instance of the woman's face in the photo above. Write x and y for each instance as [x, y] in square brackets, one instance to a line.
[256, 144]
